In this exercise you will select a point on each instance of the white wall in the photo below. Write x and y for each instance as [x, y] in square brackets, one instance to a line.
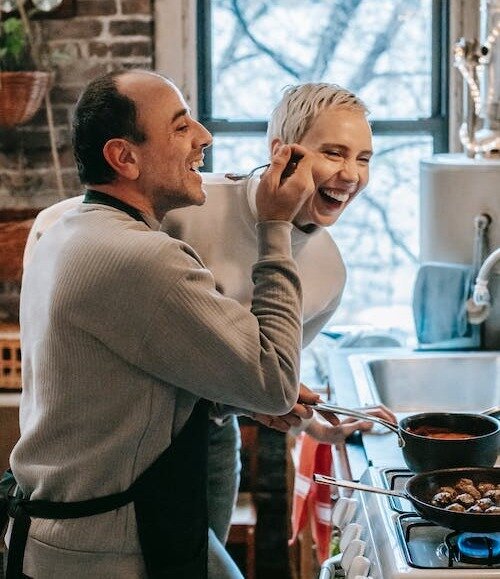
[175, 45]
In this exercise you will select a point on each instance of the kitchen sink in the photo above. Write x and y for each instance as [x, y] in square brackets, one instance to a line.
[428, 381]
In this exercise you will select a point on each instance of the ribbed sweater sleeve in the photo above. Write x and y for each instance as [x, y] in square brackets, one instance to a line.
[248, 359]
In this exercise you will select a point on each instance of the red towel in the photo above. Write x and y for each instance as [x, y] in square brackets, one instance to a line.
[311, 500]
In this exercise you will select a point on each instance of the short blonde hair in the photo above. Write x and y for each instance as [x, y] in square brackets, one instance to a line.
[301, 104]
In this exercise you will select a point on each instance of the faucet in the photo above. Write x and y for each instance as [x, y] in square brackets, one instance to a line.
[478, 306]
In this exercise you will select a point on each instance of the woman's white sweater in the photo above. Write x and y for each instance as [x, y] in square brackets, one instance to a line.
[222, 231]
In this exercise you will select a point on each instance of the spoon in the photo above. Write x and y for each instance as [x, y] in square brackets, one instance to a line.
[242, 176]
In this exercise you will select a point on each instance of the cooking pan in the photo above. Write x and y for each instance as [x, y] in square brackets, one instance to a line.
[420, 489]
[423, 453]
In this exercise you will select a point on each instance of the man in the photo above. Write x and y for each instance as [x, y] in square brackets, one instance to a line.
[125, 335]
[331, 123]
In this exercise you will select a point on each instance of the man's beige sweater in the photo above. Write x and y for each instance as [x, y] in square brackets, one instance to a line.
[122, 330]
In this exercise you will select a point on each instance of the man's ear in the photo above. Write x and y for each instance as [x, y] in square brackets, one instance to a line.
[276, 142]
[122, 158]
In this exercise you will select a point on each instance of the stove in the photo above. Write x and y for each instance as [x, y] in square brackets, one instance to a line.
[402, 545]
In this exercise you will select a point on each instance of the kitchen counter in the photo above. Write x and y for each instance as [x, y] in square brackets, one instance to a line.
[8, 399]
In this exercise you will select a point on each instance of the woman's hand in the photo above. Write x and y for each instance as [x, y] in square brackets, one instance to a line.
[329, 429]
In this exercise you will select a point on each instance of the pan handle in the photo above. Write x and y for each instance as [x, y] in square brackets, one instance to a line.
[328, 480]
[325, 407]
[493, 411]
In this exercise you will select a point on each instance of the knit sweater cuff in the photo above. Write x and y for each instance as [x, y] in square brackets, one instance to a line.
[274, 238]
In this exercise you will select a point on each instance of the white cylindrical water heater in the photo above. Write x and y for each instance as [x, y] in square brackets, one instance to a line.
[453, 191]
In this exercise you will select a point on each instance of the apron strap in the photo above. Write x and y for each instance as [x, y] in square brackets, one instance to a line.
[171, 505]
[20, 530]
[71, 510]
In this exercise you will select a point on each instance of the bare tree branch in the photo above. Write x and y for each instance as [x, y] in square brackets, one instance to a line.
[291, 67]
[228, 58]
[366, 72]
[337, 23]
[394, 237]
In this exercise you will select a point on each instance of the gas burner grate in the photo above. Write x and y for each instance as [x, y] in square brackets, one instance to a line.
[474, 548]
[430, 546]
[395, 479]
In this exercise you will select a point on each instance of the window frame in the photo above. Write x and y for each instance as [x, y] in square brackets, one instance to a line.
[436, 125]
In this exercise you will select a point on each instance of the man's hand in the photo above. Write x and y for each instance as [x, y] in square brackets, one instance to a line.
[331, 430]
[286, 184]
[296, 416]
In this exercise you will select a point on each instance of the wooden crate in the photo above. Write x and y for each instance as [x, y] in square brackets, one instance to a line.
[10, 360]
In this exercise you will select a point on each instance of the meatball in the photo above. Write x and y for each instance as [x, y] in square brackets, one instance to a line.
[472, 491]
[455, 507]
[470, 497]
[450, 490]
[463, 482]
[484, 487]
[485, 504]
[443, 499]
[466, 500]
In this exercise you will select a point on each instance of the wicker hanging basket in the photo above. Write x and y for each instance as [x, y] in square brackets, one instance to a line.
[21, 94]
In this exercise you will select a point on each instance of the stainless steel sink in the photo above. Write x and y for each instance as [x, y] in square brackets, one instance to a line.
[423, 381]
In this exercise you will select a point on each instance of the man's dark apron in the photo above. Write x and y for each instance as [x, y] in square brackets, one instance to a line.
[170, 497]
[170, 500]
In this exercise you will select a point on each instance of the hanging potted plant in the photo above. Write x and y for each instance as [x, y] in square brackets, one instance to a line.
[22, 85]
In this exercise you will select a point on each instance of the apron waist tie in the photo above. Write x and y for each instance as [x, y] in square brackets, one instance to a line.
[21, 510]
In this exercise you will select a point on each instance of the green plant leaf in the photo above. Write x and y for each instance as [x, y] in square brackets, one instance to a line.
[13, 45]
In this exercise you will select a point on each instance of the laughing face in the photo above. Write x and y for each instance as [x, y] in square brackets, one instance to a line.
[172, 153]
[341, 141]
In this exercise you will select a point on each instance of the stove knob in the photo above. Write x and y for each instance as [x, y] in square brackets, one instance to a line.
[360, 566]
[349, 533]
[343, 512]
[355, 549]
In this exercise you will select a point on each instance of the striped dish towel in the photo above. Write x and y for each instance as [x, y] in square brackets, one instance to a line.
[310, 500]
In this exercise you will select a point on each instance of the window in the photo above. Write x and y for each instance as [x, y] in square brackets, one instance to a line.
[393, 54]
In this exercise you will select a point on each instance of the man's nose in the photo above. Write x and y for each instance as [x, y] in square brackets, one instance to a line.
[204, 136]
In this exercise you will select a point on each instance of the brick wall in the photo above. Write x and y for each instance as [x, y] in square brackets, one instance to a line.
[104, 35]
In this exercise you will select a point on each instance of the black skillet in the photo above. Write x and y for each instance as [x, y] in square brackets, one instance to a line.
[420, 489]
